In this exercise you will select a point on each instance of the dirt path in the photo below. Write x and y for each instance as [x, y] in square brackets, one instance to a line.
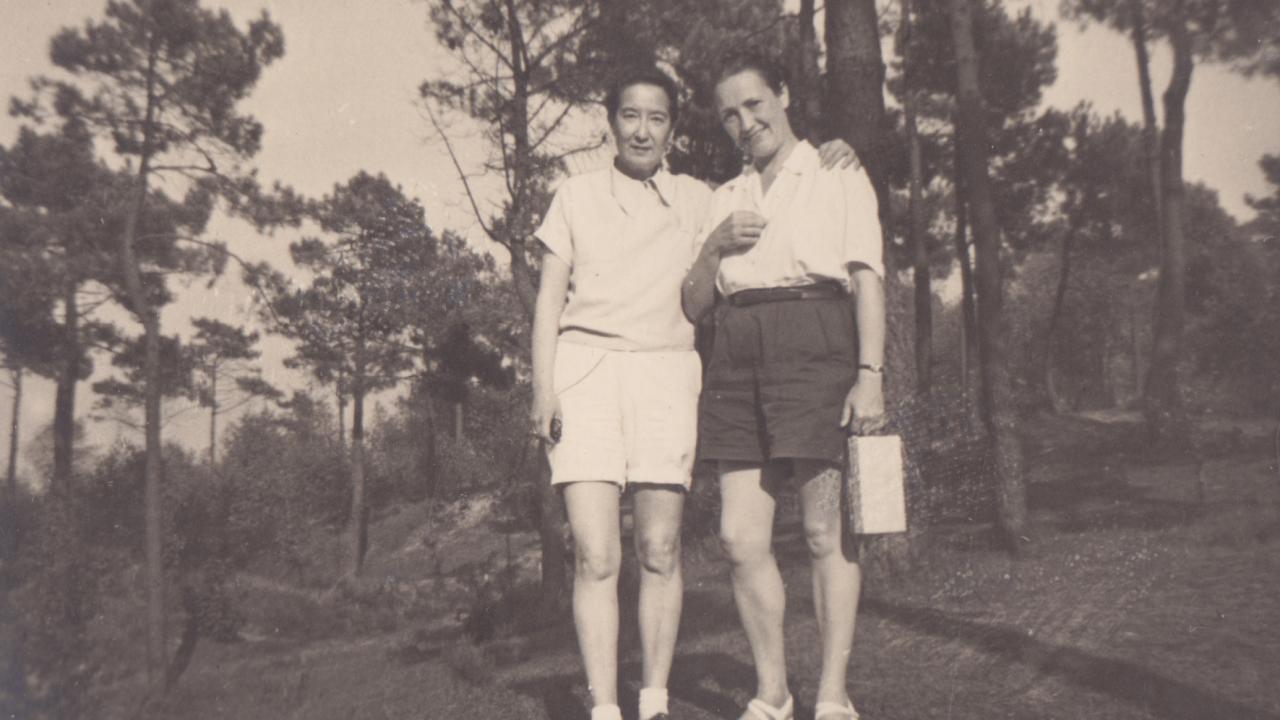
[1150, 593]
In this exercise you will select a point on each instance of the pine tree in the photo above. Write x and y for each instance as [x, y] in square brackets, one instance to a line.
[160, 81]
[349, 321]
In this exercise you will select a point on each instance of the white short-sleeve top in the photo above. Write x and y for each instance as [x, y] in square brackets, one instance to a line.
[628, 244]
[818, 222]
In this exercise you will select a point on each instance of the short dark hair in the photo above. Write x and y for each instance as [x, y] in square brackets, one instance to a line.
[736, 61]
[643, 76]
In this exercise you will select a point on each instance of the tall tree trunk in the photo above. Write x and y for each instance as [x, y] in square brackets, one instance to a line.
[154, 499]
[806, 80]
[854, 109]
[1135, 357]
[523, 277]
[1165, 410]
[12, 676]
[152, 495]
[1150, 129]
[10, 509]
[522, 184]
[555, 585]
[342, 417]
[424, 427]
[968, 294]
[854, 97]
[150, 319]
[429, 468]
[153, 502]
[11, 483]
[1105, 395]
[357, 532]
[12, 634]
[999, 417]
[64, 420]
[1055, 314]
[64, 525]
[915, 218]
[213, 417]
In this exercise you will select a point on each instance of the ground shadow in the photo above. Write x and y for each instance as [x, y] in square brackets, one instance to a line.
[1164, 696]
[715, 683]
[1096, 497]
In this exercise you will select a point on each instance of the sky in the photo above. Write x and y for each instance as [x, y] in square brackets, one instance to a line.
[344, 98]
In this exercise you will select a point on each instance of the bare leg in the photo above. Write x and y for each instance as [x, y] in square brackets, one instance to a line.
[658, 510]
[837, 579]
[593, 518]
[746, 530]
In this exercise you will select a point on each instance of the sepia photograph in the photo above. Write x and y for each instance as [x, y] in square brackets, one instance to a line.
[640, 359]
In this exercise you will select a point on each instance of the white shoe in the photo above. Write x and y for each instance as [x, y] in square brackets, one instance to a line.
[765, 711]
[844, 712]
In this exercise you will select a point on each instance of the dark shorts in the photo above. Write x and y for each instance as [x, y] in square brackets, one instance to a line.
[776, 381]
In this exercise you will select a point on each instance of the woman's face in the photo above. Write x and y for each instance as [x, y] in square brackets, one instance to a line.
[642, 128]
[753, 114]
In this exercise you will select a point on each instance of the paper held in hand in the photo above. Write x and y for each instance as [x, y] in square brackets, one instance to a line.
[874, 485]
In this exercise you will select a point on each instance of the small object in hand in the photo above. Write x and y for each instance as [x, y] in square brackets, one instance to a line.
[556, 428]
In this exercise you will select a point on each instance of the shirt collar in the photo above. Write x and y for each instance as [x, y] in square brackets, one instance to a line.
[629, 191]
[803, 158]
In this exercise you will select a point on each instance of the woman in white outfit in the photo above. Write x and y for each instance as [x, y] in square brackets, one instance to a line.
[615, 372]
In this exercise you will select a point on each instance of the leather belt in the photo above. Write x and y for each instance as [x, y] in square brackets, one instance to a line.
[817, 291]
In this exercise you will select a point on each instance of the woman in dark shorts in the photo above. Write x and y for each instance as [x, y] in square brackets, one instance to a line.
[614, 360]
[796, 365]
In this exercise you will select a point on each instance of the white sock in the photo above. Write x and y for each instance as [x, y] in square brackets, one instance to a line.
[606, 712]
[653, 701]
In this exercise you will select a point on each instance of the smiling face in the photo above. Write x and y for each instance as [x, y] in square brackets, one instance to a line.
[642, 128]
[753, 114]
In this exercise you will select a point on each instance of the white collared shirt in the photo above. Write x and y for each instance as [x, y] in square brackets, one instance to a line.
[628, 245]
[818, 223]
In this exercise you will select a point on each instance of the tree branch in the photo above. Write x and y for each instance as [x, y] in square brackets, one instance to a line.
[184, 169]
[547, 133]
[569, 34]
[505, 154]
[476, 35]
[466, 184]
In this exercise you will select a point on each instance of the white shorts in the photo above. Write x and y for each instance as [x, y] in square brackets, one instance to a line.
[627, 416]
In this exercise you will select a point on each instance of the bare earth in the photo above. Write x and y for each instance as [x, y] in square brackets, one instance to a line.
[1150, 591]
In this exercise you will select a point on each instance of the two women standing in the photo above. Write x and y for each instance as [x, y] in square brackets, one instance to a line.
[775, 254]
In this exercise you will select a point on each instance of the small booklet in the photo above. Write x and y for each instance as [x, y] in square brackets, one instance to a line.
[874, 485]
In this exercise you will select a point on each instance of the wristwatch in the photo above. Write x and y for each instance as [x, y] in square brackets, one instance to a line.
[878, 369]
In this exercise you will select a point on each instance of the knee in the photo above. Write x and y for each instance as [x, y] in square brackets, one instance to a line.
[659, 553]
[744, 545]
[822, 537]
[596, 564]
